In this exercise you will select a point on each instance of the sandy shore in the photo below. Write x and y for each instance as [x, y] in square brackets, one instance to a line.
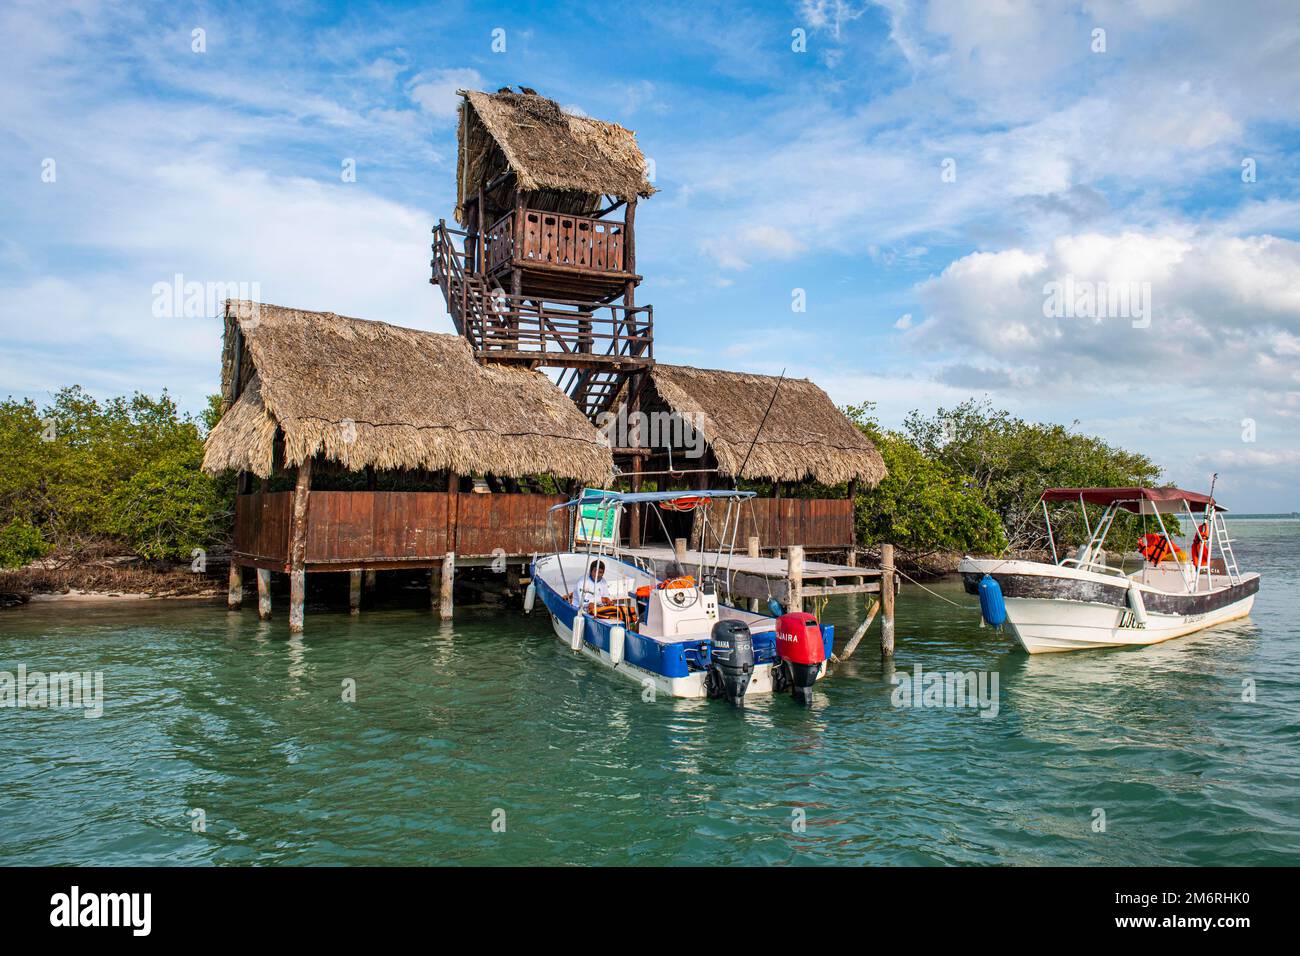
[88, 596]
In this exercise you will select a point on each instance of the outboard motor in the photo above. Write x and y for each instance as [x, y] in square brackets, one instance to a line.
[800, 647]
[733, 661]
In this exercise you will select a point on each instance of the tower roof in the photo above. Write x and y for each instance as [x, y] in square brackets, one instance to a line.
[548, 149]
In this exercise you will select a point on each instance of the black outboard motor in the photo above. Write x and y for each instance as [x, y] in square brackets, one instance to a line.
[733, 661]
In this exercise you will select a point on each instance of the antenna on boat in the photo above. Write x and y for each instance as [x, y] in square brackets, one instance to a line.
[758, 431]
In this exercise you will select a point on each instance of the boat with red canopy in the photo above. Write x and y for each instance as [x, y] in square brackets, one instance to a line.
[1080, 600]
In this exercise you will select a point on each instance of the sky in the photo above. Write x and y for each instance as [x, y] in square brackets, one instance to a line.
[1081, 212]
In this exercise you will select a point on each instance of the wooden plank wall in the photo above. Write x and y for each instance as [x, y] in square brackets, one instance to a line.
[811, 522]
[352, 526]
[355, 527]
[514, 523]
[262, 525]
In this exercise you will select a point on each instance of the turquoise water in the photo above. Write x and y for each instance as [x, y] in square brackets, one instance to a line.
[491, 719]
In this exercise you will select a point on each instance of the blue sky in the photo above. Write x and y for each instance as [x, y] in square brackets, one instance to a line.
[821, 170]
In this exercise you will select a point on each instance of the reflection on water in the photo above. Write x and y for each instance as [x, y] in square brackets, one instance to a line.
[453, 722]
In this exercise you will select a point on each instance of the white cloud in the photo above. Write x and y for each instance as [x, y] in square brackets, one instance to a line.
[1219, 305]
[436, 92]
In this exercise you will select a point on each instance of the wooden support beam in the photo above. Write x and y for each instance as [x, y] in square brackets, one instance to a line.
[634, 407]
[794, 578]
[448, 585]
[856, 639]
[887, 600]
[753, 550]
[298, 549]
[235, 590]
[354, 592]
[263, 594]
[435, 588]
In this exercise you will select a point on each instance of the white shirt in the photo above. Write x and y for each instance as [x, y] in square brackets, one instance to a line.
[592, 592]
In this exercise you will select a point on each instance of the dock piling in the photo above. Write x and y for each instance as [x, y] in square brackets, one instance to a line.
[887, 600]
[794, 578]
[448, 582]
[235, 591]
[298, 548]
[753, 552]
[263, 594]
[354, 591]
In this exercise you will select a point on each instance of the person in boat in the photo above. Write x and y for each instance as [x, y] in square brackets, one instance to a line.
[593, 590]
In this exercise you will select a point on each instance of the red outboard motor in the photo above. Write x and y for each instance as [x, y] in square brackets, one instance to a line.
[799, 645]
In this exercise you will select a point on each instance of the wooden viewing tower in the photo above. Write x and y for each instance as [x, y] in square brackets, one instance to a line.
[365, 448]
[543, 274]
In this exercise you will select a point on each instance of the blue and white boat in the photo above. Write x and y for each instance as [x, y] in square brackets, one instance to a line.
[679, 634]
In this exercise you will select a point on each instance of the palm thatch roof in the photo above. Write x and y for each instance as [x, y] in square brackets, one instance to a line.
[805, 435]
[371, 394]
[551, 151]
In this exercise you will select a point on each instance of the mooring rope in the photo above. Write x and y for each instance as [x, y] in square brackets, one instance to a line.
[964, 607]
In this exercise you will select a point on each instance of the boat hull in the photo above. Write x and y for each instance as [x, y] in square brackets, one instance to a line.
[651, 661]
[690, 686]
[1052, 609]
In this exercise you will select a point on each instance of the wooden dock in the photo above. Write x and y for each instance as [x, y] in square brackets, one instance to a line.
[757, 577]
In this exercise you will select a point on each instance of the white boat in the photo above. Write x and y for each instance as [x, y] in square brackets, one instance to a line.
[1081, 601]
[677, 634]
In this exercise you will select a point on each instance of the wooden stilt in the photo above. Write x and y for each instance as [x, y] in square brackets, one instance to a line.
[435, 587]
[263, 595]
[794, 578]
[448, 583]
[371, 579]
[753, 552]
[235, 591]
[856, 639]
[887, 600]
[679, 552]
[298, 549]
[354, 592]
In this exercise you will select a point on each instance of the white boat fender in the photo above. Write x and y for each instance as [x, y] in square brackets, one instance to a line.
[575, 643]
[530, 596]
[617, 637]
[1137, 605]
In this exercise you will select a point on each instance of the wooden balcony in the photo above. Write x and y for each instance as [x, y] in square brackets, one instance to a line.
[538, 331]
[559, 256]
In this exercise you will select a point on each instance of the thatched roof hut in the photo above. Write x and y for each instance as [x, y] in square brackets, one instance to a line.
[567, 162]
[370, 394]
[805, 436]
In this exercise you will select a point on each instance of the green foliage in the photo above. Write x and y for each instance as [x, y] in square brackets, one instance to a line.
[167, 509]
[921, 506]
[1011, 461]
[20, 543]
[126, 467]
[969, 479]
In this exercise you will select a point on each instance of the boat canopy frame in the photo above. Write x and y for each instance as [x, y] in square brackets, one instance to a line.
[1156, 502]
[618, 500]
